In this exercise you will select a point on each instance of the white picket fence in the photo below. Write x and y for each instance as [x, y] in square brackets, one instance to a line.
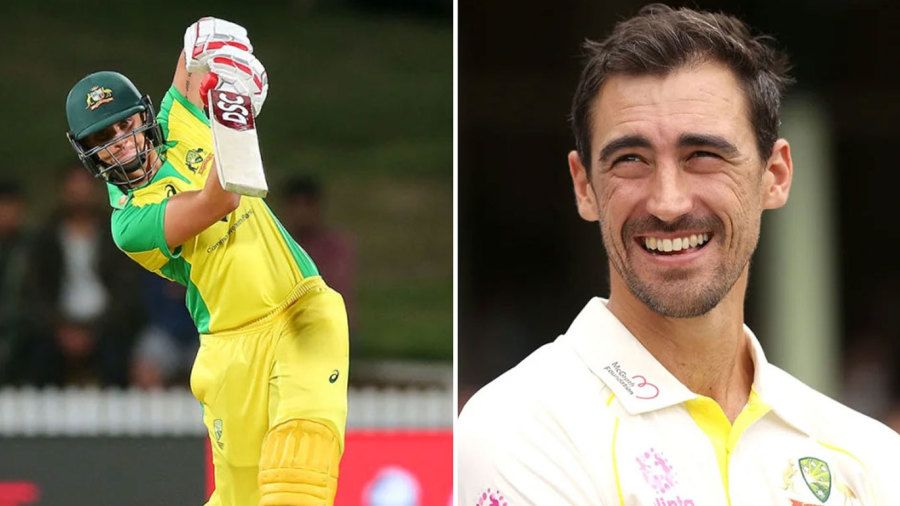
[113, 412]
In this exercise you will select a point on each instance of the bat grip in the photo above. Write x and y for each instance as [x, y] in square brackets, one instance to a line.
[209, 83]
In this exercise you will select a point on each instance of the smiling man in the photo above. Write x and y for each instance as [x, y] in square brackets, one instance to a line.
[661, 395]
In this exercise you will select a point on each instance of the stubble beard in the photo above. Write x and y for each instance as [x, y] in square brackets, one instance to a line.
[681, 294]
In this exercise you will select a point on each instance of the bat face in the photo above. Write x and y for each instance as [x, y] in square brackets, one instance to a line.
[236, 144]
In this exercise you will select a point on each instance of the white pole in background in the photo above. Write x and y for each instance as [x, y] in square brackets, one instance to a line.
[801, 297]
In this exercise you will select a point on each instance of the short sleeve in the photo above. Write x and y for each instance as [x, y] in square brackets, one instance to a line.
[139, 232]
[183, 124]
[503, 460]
[515, 444]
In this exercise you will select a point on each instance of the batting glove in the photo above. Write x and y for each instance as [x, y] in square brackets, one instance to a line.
[207, 36]
[232, 69]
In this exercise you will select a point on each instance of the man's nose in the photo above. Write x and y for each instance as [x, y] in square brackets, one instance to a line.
[119, 135]
[670, 197]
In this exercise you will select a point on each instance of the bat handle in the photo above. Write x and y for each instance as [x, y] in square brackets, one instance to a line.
[208, 84]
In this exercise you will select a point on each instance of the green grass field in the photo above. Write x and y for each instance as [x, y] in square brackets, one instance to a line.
[362, 101]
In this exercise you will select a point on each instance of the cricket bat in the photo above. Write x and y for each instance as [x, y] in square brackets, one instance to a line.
[235, 143]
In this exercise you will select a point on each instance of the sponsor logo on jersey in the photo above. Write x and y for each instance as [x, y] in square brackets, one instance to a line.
[98, 96]
[817, 476]
[170, 191]
[636, 385]
[334, 376]
[237, 223]
[659, 474]
[677, 501]
[657, 470]
[491, 497]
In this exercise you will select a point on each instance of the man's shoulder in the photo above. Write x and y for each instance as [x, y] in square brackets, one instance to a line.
[523, 386]
[167, 182]
[530, 431]
[551, 383]
[176, 106]
[830, 421]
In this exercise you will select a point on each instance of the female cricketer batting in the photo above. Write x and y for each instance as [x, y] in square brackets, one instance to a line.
[271, 372]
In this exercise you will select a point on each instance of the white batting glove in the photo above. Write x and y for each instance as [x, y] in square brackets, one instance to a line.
[232, 69]
[207, 36]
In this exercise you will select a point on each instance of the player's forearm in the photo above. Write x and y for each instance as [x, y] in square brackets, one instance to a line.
[215, 196]
[188, 83]
[189, 213]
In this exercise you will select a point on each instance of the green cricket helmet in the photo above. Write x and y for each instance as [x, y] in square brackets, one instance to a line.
[99, 101]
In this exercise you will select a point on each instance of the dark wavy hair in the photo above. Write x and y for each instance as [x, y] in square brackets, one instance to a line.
[661, 39]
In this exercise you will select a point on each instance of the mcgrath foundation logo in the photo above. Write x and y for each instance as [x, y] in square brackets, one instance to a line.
[491, 497]
[98, 96]
[636, 385]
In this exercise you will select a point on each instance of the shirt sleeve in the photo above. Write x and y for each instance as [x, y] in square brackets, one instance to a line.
[183, 124]
[508, 461]
[139, 232]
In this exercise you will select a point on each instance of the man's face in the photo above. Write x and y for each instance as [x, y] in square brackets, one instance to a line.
[677, 185]
[126, 148]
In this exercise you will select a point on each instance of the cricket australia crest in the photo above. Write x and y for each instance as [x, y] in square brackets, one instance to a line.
[217, 429]
[98, 96]
[817, 476]
[194, 159]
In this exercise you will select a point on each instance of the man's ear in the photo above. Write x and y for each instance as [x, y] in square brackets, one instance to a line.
[584, 192]
[777, 177]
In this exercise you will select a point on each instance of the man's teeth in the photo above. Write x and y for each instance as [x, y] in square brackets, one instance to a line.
[677, 244]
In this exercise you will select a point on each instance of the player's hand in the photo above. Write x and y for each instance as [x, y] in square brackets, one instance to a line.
[231, 69]
[207, 36]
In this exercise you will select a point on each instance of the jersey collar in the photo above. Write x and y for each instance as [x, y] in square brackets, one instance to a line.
[639, 382]
[781, 392]
[119, 199]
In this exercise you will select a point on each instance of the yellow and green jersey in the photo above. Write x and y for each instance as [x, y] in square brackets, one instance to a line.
[239, 269]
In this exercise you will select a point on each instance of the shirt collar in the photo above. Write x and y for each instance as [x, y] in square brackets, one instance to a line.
[778, 390]
[613, 354]
[642, 384]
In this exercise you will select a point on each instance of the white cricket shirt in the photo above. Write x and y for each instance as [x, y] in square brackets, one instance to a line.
[594, 419]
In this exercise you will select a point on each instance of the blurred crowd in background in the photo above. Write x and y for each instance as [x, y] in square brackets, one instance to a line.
[74, 310]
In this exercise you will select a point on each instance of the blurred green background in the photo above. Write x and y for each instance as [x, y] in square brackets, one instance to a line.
[360, 97]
